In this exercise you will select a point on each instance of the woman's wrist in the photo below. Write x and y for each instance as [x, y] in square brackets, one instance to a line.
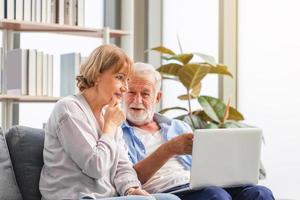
[129, 191]
[110, 128]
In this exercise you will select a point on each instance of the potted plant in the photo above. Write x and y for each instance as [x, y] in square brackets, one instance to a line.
[214, 113]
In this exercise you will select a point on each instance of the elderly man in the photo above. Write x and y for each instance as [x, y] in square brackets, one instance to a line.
[160, 148]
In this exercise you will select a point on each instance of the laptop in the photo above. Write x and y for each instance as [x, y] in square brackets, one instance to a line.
[224, 158]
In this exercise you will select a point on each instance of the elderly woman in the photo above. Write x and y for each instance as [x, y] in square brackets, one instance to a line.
[84, 154]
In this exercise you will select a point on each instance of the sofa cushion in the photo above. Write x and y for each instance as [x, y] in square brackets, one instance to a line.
[8, 186]
[26, 150]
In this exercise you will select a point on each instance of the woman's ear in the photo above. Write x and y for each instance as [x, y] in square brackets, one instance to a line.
[98, 79]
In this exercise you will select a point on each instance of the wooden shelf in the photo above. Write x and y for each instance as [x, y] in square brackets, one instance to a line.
[22, 26]
[28, 98]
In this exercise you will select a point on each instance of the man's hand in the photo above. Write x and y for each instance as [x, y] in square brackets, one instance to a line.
[180, 145]
[137, 191]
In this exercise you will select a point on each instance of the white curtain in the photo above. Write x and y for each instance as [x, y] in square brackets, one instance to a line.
[269, 85]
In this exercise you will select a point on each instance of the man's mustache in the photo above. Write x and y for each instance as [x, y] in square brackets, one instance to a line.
[138, 106]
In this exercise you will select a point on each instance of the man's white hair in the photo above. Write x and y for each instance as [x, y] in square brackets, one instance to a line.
[145, 68]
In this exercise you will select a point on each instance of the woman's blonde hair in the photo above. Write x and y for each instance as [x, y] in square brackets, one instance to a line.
[101, 59]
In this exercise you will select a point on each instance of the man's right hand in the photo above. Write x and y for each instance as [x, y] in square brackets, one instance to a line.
[180, 145]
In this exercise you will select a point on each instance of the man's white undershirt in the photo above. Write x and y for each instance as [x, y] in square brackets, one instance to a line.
[171, 174]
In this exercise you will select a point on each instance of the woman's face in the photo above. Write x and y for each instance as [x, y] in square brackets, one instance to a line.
[110, 84]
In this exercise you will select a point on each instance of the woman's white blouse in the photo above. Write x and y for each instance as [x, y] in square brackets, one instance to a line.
[77, 162]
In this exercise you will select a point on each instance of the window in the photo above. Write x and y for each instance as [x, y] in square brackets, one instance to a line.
[268, 86]
[196, 23]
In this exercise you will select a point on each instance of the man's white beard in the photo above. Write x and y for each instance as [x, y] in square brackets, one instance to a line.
[141, 117]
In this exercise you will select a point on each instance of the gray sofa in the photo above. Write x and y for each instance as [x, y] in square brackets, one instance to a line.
[21, 161]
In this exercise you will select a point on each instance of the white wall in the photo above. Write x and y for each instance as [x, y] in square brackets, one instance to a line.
[269, 85]
[196, 24]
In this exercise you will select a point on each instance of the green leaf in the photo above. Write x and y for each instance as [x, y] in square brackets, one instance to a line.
[213, 107]
[235, 114]
[220, 69]
[165, 57]
[202, 115]
[211, 126]
[164, 50]
[185, 97]
[207, 58]
[191, 74]
[168, 77]
[183, 58]
[197, 122]
[170, 69]
[194, 93]
[196, 90]
[172, 108]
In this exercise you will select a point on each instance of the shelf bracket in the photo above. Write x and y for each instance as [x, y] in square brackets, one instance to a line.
[106, 35]
[7, 42]
[7, 110]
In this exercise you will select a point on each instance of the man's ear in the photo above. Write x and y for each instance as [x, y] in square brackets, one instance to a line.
[158, 96]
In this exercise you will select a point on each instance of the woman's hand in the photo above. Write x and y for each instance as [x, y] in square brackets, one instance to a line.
[137, 191]
[114, 116]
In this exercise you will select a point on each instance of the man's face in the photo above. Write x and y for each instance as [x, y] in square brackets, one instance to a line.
[140, 100]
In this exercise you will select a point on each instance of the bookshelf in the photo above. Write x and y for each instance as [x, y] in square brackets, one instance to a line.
[9, 27]
[44, 99]
[20, 26]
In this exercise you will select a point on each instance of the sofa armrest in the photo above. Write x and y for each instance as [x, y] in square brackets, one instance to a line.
[8, 185]
[25, 146]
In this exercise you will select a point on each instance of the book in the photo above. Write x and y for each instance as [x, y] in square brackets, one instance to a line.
[39, 73]
[2, 9]
[53, 11]
[80, 12]
[44, 11]
[33, 10]
[69, 69]
[66, 11]
[10, 9]
[61, 12]
[48, 11]
[16, 72]
[27, 10]
[19, 10]
[50, 76]
[72, 12]
[45, 76]
[75, 15]
[32, 83]
[38, 12]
